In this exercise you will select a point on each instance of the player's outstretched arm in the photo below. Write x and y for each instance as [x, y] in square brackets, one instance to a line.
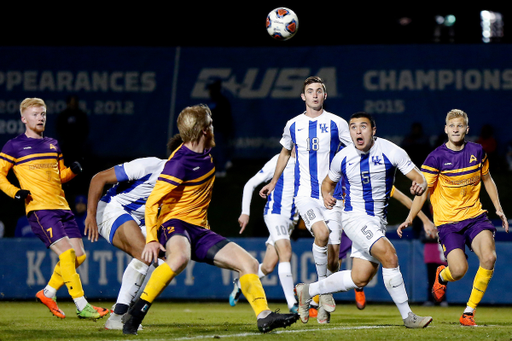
[419, 183]
[492, 190]
[417, 204]
[428, 225]
[282, 161]
[96, 186]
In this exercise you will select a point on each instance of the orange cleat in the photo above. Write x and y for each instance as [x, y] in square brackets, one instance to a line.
[313, 311]
[102, 311]
[360, 299]
[439, 289]
[468, 319]
[51, 303]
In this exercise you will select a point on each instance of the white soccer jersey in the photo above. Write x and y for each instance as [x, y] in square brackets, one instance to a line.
[316, 142]
[280, 201]
[137, 179]
[368, 178]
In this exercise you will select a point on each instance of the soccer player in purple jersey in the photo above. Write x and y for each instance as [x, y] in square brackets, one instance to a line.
[176, 223]
[455, 172]
[38, 164]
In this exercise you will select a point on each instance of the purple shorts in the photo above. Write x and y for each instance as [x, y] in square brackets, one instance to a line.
[204, 243]
[345, 245]
[53, 225]
[454, 236]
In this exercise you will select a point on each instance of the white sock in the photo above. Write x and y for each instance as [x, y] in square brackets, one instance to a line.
[468, 310]
[80, 303]
[49, 291]
[395, 285]
[260, 273]
[320, 257]
[284, 270]
[338, 281]
[133, 277]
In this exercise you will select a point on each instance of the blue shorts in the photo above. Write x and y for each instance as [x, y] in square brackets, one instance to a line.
[204, 243]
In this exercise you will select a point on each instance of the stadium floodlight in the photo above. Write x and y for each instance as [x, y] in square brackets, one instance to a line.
[492, 26]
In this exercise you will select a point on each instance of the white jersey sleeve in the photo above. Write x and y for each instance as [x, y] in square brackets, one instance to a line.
[264, 175]
[137, 179]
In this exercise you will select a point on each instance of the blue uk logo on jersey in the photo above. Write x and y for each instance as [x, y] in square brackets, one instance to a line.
[323, 128]
[376, 160]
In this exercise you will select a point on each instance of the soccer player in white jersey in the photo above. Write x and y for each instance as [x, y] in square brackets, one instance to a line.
[280, 215]
[119, 216]
[317, 135]
[367, 171]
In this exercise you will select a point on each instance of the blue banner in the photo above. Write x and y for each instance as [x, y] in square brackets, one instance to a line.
[133, 95]
[27, 266]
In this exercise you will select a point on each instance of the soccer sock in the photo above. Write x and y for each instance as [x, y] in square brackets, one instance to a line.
[480, 283]
[446, 276]
[56, 281]
[320, 257]
[133, 277]
[284, 270]
[339, 281]
[159, 280]
[260, 273]
[395, 285]
[69, 274]
[254, 293]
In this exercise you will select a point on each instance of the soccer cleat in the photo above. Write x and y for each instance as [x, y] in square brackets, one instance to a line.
[115, 322]
[88, 313]
[323, 316]
[327, 302]
[275, 320]
[100, 310]
[415, 321]
[294, 309]
[131, 324]
[313, 311]
[439, 289]
[51, 303]
[235, 294]
[468, 319]
[302, 292]
[360, 298]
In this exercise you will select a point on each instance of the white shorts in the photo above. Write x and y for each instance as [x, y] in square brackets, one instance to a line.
[364, 231]
[279, 227]
[313, 210]
[109, 216]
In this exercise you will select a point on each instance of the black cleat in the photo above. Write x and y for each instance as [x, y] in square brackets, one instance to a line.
[133, 318]
[275, 320]
[130, 325]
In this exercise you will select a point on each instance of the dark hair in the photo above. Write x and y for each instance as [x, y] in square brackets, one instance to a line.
[311, 80]
[174, 142]
[362, 114]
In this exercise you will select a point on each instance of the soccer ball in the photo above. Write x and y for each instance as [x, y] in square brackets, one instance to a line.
[282, 23]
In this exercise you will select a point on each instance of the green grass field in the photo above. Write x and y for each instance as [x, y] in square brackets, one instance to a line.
[205, 320]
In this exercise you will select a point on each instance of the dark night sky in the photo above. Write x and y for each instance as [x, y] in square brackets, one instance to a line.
[320, 23]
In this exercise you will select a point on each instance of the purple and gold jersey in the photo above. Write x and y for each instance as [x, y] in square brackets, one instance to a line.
[183, 191]
[454, 179]
[39, 166]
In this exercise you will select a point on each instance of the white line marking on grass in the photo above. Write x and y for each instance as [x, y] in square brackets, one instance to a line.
[290, 331]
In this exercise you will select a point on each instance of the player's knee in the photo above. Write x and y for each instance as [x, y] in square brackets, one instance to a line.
[267, 268]
[488, 259]
[321, 236]
[458, 271]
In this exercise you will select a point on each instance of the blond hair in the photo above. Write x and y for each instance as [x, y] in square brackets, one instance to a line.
[192, 120]
[457, 113]
[31, 102]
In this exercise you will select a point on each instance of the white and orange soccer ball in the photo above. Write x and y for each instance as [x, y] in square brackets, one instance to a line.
[282, 23]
